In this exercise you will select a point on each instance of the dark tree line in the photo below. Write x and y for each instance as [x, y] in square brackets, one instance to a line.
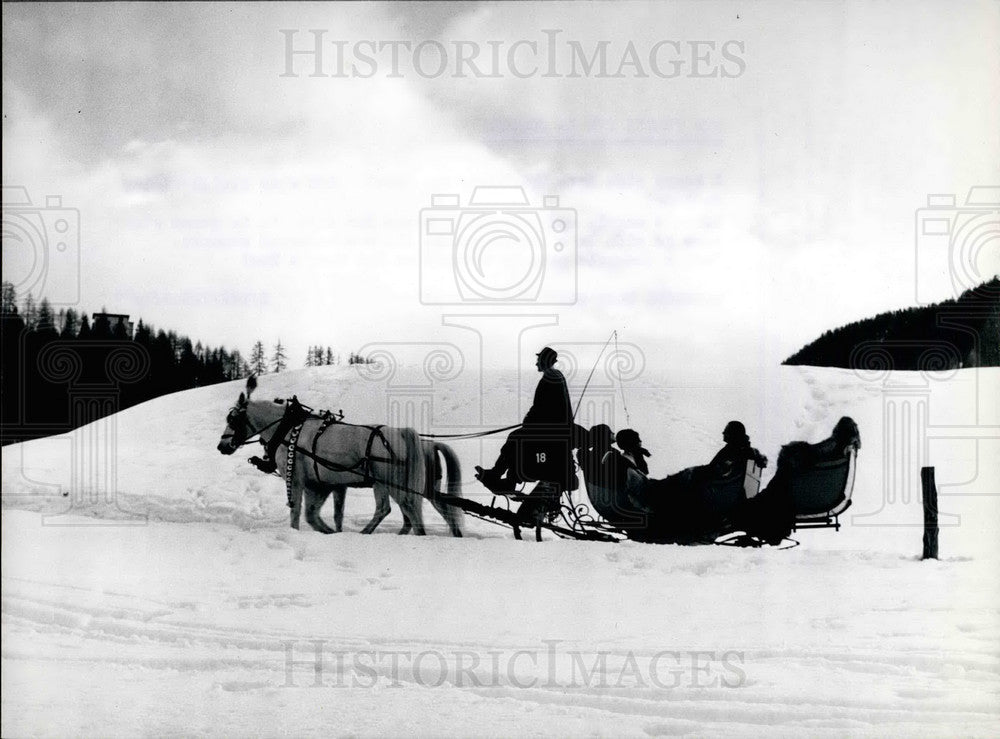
[316, 356]
[61, 371]
[963, 332]
[356, 358]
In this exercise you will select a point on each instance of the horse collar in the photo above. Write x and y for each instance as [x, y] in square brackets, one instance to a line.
[290, 462]
[294, 415]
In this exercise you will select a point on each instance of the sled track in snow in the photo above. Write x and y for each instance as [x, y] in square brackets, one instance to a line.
[126, 631]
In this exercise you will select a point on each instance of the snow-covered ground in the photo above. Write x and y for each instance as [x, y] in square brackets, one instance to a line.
[165, 594]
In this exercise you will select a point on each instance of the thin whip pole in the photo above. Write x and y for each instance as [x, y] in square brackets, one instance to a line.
[621, 385]
[592, 370]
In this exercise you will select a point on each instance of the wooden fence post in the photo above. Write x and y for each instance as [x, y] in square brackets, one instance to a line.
[929, 490]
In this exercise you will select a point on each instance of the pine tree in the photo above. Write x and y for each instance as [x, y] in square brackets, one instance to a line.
[30, 312]
[279, 360]
[309, 357]
[9, 299]
[85, 332]
[329, 356]
[237, 367]
[120, 332]
[46, 319]
[187, 365]
[71, 324]
[143, 334]
[258, 361]
[102, 326]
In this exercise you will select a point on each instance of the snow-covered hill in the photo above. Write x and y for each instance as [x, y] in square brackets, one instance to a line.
[166, 595]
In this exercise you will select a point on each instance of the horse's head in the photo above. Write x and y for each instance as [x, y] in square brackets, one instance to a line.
[238, 427]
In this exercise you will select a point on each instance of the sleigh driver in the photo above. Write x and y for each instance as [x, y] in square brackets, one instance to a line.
[540, 448]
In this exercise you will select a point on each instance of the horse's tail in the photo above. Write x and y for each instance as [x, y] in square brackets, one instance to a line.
[452, 514]
[413, 478]
[453, 468]
[432, 470]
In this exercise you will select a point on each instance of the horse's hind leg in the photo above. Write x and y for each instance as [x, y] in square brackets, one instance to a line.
[448, 514]
[315, 498]
[412, 514]
[382, 508]
[339, 493]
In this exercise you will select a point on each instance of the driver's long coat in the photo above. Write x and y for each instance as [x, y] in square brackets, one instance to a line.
[551, 406]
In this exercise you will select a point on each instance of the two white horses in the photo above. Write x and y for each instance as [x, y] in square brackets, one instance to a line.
[329, 458]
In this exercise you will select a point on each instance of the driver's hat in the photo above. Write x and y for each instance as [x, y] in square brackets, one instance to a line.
[548, 355]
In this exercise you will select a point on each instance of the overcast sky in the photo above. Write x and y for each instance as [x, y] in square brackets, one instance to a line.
[731, 217]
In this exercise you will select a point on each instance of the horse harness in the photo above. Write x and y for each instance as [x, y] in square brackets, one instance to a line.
[291, 426]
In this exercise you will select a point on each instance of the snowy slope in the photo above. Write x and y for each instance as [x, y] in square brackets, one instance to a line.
[165, 594]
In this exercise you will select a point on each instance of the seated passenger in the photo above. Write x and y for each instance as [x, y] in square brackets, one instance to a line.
[685, 496]
[771, 514]
[798, 455]
[736, 452]
[607, 474]
[611, 476]
[631, 445]
[601, 463]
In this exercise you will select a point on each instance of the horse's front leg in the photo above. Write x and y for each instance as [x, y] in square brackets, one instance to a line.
[295, 511]
[295, 497]
[382, 508]
[339, 494]
[315, 498]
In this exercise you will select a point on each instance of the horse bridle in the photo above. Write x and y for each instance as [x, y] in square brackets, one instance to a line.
[238, 414]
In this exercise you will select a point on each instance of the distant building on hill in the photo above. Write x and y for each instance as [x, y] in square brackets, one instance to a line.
[114, 319]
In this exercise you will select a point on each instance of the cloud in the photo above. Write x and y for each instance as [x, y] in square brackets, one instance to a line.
[232, 203]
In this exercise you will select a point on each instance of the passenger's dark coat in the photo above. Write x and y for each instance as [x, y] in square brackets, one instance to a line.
[733, 456]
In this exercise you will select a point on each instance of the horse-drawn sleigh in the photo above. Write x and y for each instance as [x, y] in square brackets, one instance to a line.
[318, 455]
